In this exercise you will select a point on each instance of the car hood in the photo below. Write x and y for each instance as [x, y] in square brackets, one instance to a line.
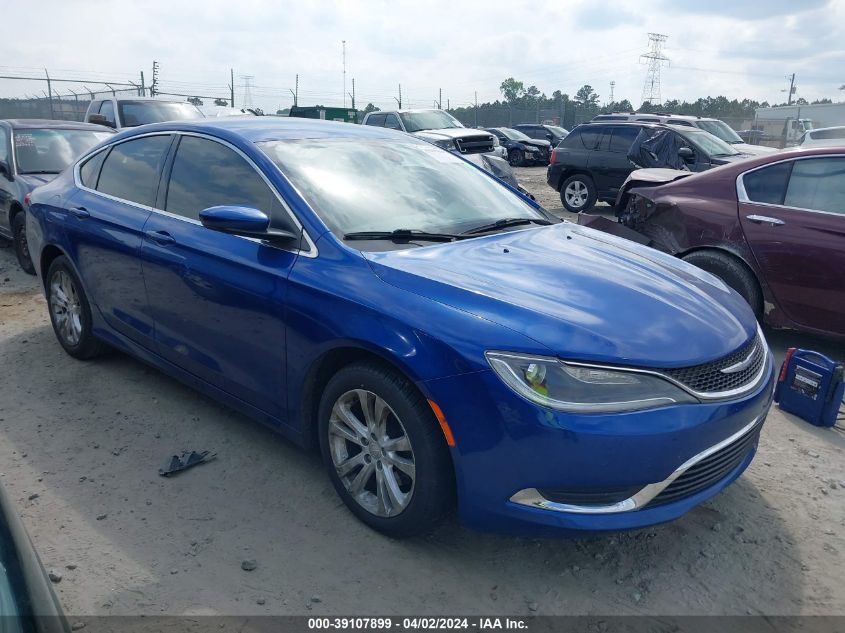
[536, 143]
[754, 150]
[35, 180]
[657, 174]
[725, 160]
[583, 294]
[452, 132]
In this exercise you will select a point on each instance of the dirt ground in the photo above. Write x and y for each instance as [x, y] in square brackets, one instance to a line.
[88, 438]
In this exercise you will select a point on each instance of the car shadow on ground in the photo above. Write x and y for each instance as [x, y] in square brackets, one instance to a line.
[89, 437]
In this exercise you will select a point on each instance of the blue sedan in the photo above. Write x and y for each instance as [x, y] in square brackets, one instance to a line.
[441, 338]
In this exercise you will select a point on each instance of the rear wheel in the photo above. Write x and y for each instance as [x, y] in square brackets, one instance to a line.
[733, 272]
[578, 193]
[21, 244]
[384, 450]
[70, 312]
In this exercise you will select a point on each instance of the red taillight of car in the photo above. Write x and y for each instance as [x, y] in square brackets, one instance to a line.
[26, 199]
[785, 367]
[553, 157]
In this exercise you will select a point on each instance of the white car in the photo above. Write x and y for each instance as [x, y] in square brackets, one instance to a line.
[824, 137]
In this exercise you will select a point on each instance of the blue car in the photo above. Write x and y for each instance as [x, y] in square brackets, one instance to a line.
[439, 337]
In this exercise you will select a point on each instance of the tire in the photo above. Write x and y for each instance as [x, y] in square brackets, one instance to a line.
[578, 193]
[70, 312]
[357, 461]
[20, 242]
[733, 272]
[516, 158]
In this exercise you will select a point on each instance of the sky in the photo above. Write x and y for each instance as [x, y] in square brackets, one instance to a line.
[737, 48]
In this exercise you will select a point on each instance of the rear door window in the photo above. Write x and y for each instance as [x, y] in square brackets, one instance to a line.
[591, 136]
[767, 185]
[131, 170]
[90, 170]
[622, 138]
[817, 184]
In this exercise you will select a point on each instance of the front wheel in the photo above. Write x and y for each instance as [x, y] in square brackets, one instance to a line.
[516, 158]
[384, 450]
[21, 243]
[578, 193]
[733, 272]
[70, 312]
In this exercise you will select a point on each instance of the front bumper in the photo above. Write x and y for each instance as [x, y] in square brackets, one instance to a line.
[509, 452]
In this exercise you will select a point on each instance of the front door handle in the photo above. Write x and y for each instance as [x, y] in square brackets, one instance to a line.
[764, 219]
[160, 237]
[80, 212]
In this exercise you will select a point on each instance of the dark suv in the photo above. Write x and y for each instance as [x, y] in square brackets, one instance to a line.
[593, 161]
[552, 133]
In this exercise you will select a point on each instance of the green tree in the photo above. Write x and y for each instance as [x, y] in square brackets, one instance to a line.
[512, 89]
[195, 100]
[586, 96]
[370, 108]
[221, 102]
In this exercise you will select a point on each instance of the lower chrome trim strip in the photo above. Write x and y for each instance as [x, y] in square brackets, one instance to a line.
[532, 497]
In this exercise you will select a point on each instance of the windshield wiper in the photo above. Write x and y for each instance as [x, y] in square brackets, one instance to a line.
[403, 235]
[503, 224]
[39, 171]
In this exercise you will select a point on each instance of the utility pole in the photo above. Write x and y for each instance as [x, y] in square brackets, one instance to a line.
[612, 86]
[655, 59]
[49, 93]
[232, 86]
[143, 88]
[476, 108]
[399, 100]
[296, 92]
[791, 89]
[154, 85]
[440, 99]
[353, 93]
[344, 73]
[448, 104]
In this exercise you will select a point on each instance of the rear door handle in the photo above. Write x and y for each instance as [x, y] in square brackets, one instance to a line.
[764, 219]
[80, 212]
[160, 237]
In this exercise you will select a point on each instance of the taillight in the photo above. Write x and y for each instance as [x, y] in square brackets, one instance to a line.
[26, 199]
[785, 366]
[553, 157]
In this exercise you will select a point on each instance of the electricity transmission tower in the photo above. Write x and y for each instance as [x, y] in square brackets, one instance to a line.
[612, 86]
[247, 86]
[656, 58]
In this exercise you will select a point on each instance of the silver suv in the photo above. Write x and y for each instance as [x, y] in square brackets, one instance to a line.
[717, 128]
[120, 112]
[440, 128]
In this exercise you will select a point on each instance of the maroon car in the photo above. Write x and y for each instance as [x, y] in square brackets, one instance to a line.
[771, 227]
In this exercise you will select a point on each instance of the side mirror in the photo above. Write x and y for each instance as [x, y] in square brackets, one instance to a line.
[100, 119]
[686, 153]
[244, 221]
[549, 136]
[5, 169]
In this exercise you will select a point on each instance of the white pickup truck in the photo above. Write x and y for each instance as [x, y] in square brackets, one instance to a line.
[121, 112]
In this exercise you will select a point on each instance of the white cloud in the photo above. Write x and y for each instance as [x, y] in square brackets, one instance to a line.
[738, 48]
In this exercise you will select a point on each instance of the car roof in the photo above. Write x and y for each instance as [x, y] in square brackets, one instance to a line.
[23, 124]
[268, 128]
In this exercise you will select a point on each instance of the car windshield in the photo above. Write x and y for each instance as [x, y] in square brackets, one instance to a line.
[709, 144]
[721, 130]
[134, 113]
[514, 135]
[428, 120]
[51, 150]
[373, 185]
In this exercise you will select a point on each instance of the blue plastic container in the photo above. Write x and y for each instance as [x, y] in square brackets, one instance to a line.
[811, 386]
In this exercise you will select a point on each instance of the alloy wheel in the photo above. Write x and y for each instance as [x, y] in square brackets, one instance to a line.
[576, 194]
[66, 308]
[371, 453]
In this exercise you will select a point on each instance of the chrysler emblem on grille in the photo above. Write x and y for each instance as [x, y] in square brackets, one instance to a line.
[743, 364]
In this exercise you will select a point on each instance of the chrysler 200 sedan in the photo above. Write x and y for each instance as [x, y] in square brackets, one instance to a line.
[438, 335]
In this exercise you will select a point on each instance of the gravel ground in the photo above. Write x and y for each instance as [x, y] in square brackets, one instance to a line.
[88, 438]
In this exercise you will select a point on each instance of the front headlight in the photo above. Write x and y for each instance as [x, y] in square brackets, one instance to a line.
[561, 386]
